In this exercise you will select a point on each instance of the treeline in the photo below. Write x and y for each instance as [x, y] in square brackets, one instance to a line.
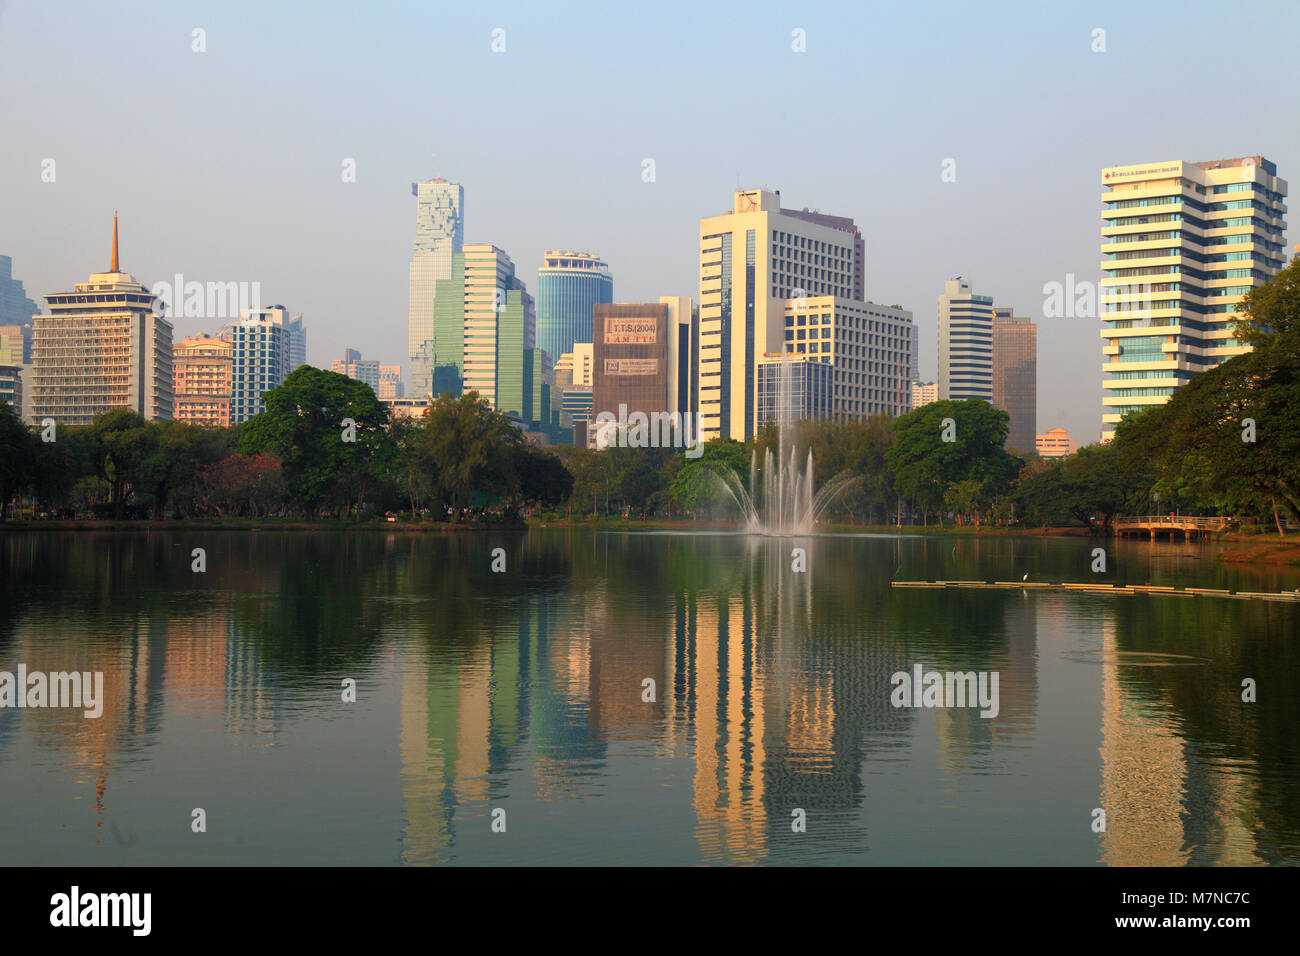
[325, 446]
[1227, 443]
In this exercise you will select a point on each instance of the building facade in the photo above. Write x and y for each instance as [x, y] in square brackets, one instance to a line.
[794, 388]
[1015, 376]
[965, 343]
[1182, 243]
[869, 346]
[752, 259]
[204, 376]
[11, 386]
[500, 324]
[1055, 443]
[923, 393]
[630, 358]
[569, 287]
[439, 237]
[259, 362]
[353, 366]
[16, 308]
[101, 347]
[390, 381]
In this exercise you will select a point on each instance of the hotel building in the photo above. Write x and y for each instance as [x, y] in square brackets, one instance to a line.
[1182, 243]
[965, 343]
[753, 258]
[569, 287]
[101, 347]
[204, 375]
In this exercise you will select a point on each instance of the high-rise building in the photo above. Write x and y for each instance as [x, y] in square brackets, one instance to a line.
[353, 366]
[101, 347]
[390, 381]
[439, 236]
[1182, 243]
[1015, 376]
[923, 393]
[847, 225]
[752, 259]
[569, 287]
[16, 308]
[683, 349]
[500, 324]
[204, 375]
[1055, 443]
[869, 345]
[965, 343]
[260, 362]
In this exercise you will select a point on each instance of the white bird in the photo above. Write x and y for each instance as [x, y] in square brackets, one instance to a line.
[1026, 577]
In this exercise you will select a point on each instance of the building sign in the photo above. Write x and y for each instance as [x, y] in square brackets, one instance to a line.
[631, 331]
[631, 366]
[1143, 173]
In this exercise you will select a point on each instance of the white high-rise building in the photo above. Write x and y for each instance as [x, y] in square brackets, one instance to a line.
[500, 325]
[439, 237]
[1182, 244]
[753, 259]
[965, 343]
[259, 354]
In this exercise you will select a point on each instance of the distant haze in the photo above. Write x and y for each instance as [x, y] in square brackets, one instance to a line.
[225, 165]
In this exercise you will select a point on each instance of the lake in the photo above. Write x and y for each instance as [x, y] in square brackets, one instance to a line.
[508, 717]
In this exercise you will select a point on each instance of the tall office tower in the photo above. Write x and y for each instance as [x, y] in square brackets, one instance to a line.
[390, 381]
[353, 366]
[683, 347]
[868, 345]
[752, 259]
[569, 287]
[203, 373]
[844, 224]
[500, 324]
[439, 236]
[260, 362]
[965, 343]
[15, 306]
[101, 347]
[1015, 376]
[1182, 243]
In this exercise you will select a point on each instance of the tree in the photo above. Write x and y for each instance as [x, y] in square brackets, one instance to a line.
[326, 460]
[469, 447]
[18, 449]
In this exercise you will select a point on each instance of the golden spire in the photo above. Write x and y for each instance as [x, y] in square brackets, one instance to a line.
[113, 267]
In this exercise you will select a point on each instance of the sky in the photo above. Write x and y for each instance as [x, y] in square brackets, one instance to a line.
[227, 165]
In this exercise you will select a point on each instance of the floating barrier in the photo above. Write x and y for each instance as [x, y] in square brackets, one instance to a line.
[1292, 597]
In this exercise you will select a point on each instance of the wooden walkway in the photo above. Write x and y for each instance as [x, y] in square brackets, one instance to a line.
[1169, 526]
[1292, 597]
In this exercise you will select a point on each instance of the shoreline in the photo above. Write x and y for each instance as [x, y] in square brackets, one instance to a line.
[1265, 550]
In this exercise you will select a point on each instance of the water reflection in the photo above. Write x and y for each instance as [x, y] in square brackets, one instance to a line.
[526, 691]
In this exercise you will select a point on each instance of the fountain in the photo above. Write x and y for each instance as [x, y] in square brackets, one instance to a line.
[787, 504]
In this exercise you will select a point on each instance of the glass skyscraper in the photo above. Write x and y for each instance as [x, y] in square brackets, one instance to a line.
[439, 236]
[569, 287]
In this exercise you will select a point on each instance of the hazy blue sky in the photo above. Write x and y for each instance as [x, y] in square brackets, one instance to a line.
[225, 165]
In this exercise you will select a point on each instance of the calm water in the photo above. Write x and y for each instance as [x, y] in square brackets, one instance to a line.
[522, 691]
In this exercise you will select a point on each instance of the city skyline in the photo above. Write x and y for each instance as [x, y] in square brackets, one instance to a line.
[340, 250]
